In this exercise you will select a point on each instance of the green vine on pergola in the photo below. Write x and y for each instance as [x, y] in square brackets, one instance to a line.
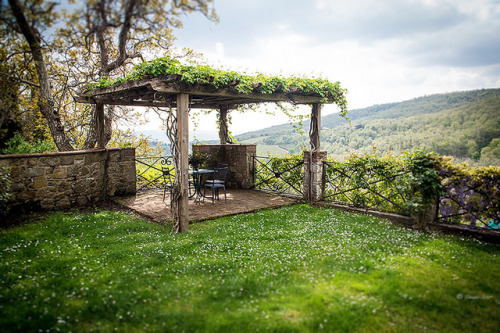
[330, 92]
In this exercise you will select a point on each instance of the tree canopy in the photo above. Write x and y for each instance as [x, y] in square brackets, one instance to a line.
[49, 53]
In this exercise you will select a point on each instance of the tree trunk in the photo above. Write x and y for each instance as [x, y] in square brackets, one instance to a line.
[91, 139]
[315, 127]
[223, 129]
[46, 100]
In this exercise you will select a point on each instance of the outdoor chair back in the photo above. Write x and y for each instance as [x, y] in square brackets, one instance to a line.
[219, 182]
[219, 177]
[168, 180]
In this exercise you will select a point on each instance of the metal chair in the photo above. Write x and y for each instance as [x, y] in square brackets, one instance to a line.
[167, 181]
[219, 182]
[219, 177]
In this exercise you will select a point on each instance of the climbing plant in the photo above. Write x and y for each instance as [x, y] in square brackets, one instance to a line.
[243, 83]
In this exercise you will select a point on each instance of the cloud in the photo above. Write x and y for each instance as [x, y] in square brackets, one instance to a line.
[381, 51]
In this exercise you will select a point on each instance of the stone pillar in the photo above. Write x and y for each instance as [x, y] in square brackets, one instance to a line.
[428, 215]
[314, 183]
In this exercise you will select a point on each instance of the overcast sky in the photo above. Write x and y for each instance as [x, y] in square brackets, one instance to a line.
[380, 50]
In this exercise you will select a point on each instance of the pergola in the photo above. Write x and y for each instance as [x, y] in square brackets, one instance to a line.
[170, 91]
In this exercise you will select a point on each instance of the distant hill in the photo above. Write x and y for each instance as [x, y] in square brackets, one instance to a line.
[461, 124]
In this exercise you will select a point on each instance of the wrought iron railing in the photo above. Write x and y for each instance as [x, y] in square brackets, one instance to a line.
[149, 173]
[279, 175]
[379, 188]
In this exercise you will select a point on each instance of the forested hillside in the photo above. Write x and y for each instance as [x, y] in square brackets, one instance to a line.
[463, 124]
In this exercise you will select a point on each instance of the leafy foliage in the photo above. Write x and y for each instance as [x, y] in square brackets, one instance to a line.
[401, 184]
[242, 83]
[197, 159]
[17, 145]
[381, 183]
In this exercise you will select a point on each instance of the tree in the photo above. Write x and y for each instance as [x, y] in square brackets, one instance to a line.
[111, 34]
[101, 39]
[31, 32]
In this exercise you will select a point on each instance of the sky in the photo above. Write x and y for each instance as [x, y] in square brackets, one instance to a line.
[381, 51]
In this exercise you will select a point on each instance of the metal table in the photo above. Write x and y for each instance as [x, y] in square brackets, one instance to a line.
[197, 179]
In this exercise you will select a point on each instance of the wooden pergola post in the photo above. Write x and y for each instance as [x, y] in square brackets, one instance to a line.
[315, 127]
[183, 144]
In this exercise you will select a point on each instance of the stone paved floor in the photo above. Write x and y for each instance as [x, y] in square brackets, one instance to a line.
[151, 205]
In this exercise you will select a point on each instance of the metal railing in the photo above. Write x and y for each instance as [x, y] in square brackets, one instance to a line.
[384, 189]
[149, 173]
[279, 175]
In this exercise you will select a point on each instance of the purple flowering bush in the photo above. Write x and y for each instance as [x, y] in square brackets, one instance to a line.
[471, 195]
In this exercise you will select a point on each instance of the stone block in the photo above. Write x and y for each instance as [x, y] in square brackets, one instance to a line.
[51, 161]
[128, 153]
[47, 204]
[40, 182]
[83, 171]
[81, 200]
[80, 186]
[16, 172]
[35, 172]
[17, 162]
[79, 159]
[60, 173]
[67, 159]
[32, 162]
[91, 159]
[18, 186]
[63, 202]
[65, 187]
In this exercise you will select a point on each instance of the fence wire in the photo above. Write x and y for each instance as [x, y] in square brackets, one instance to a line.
[383, 188]
[149, 174]
[279, 175]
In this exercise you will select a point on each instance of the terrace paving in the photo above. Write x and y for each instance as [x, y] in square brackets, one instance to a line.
[151, 205]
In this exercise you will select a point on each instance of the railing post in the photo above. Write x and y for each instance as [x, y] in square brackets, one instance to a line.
[314, 182]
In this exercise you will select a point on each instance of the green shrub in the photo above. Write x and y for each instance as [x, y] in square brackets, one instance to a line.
[17, 145]
[401, 184]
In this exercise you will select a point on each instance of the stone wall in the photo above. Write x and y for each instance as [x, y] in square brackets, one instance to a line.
[239, 159]
[70, 179]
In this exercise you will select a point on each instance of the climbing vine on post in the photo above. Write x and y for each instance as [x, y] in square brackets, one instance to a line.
[171, 132]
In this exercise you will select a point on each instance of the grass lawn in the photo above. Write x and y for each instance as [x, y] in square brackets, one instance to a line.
[295, 269]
